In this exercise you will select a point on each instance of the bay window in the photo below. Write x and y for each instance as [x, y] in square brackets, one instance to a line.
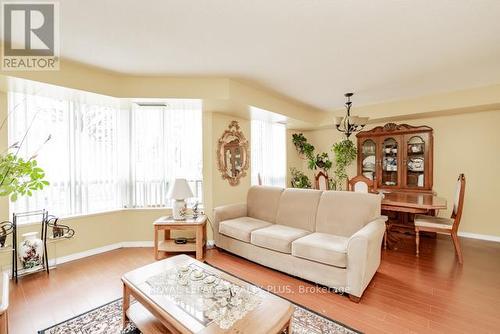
[103, 155]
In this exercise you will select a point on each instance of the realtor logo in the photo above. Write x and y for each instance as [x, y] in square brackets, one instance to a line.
[30, 36]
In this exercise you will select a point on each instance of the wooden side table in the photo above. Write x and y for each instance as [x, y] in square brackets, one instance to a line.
[166, 224]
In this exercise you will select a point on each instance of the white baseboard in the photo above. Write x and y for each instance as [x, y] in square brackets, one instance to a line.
[81, 255]
[94, 251]
[137, 244]
[103, 249]
[479, 236]
[99, 250]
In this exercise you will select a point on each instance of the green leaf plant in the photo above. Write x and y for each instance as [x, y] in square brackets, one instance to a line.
[305, 149]
[345, 153]
[299, 179]
[19, 177]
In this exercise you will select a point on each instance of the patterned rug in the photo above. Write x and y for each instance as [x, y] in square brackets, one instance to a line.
[107, 319]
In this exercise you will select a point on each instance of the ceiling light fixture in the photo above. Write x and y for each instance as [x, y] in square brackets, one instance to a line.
[350, 124]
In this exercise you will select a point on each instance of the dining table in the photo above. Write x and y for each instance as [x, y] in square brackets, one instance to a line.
[412, 202]
[407, 204]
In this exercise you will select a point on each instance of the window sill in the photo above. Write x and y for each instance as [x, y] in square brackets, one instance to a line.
[93, 214]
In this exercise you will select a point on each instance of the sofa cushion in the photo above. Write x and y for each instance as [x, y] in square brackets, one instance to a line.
[322, 247]
[277, 237]
[298, 208]
[262, 202]
[343, 213]
[240, 228]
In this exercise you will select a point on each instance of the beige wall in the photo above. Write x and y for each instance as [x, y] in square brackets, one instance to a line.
[466, 143]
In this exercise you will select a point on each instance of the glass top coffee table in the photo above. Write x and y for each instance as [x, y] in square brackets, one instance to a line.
[184, 295]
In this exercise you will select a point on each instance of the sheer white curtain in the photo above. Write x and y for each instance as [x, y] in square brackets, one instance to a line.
[80, 159]
[268, 153]
[166, 144]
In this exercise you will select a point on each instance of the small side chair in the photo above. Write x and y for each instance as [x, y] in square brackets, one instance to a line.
[321, 181]
[361, 184]
[444, 225]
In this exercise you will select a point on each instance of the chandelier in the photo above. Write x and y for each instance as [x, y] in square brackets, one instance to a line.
[350, 124]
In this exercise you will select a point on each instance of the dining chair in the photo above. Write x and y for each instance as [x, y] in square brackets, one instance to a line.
[444, 225]
[361, 184]
[321, 181]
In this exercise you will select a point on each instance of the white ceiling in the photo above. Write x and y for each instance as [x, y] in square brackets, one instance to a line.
[310, 50]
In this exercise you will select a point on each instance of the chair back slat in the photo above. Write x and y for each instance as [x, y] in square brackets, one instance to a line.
[458, 202]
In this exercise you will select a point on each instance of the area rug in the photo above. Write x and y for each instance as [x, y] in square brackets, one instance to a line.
[107, 319]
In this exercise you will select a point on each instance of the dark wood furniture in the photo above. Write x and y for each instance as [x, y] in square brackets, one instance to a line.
[406, 204]
[397, 157]
[321, 181]
[361, 179]
[412, 202]
[444, 225]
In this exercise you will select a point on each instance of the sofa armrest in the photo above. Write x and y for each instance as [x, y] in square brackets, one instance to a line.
[363, 255]
[226, 212]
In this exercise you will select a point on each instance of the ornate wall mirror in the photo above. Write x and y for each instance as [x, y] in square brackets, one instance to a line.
[232, 154]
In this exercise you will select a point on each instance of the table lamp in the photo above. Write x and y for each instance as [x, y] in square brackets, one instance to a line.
[179, 192]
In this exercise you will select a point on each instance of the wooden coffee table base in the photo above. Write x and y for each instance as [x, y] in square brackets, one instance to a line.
[141, 312]
[148, 324]
[151, 311]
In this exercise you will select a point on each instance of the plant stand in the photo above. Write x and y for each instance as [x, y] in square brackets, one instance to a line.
[59, 233]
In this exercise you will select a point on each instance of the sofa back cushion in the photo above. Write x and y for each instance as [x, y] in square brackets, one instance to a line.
[343, 213]
[262, 202]
[298, 207]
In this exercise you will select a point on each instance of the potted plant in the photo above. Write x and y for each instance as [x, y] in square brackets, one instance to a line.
[303, 147]
[306, 150]
[345, 152]
[299, 179]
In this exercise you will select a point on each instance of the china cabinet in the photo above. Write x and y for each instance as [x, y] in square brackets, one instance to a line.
[397, 157]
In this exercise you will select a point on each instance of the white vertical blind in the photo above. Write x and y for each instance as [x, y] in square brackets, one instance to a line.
[166, 144]
[43, 116]
[97, 183]
[268, 153]
[103, 157]
[80, 159]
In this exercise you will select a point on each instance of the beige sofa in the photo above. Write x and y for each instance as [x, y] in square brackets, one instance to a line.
[329, 237]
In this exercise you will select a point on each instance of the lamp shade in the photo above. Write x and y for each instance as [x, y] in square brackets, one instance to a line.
[180, 190]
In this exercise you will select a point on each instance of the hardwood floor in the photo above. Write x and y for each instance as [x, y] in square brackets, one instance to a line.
[429, 294]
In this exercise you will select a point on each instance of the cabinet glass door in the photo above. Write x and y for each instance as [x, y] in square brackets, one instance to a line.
[415, 162]
[390, 151]
[368, 162]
